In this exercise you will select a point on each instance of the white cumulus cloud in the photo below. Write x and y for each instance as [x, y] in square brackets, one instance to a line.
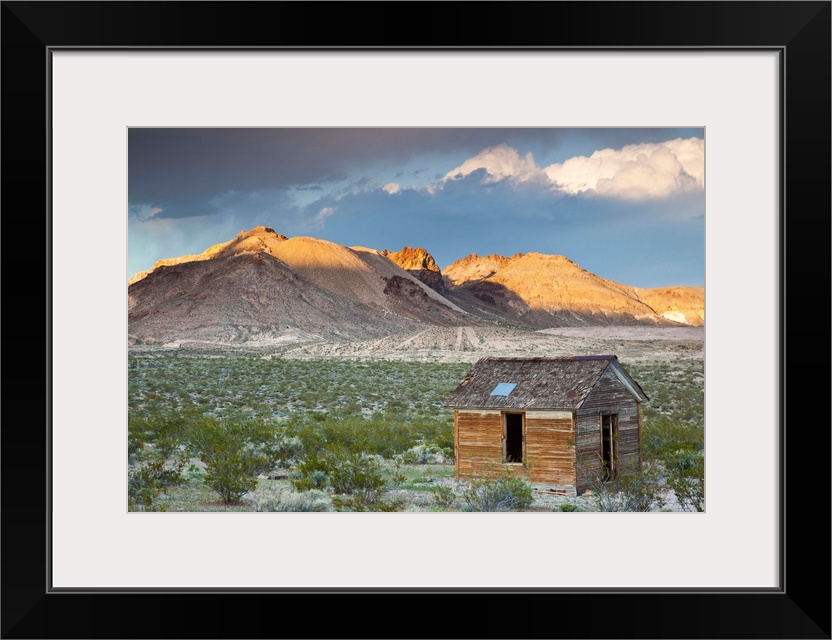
[635, 172]
[499, 163]
[392, 188]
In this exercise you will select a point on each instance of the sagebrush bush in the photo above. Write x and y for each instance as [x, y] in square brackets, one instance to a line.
[235, 454]
[279, 500]
[633, 488]
[311, 473]
[195, 472]
[154, 470]
[358, 475]
[662, 436]
[397, 475]
[506, 492]
[685, 475]
[443, 495]
[678, 448]
[424, 454]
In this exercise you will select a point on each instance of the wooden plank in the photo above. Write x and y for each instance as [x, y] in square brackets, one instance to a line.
[456, 443]
[640, 458]
[551, 448]
[550, 415]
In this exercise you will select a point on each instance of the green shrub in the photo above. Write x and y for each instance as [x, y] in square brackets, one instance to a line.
[506, 492]
[156, 468]
[311, 473]
[633, 488]
[444, 439]
[235, 454]
[231, 474]
[662, 436]
[195, 472]
[397, 475]
[277, 500]
[443, 495]
[353, 503]
[358, 475]
[424, 454]
[685, 474]
[568, 506]
[679, 449]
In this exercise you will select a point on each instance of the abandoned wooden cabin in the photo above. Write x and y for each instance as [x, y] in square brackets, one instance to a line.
[551, 420]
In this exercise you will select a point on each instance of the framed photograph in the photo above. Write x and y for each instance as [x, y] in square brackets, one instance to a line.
[126, 122]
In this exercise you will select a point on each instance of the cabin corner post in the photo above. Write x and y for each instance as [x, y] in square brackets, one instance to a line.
[456, 444]
[574, 473]
[640, 429]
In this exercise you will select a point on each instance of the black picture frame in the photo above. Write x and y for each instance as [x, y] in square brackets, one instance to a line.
[799, 608]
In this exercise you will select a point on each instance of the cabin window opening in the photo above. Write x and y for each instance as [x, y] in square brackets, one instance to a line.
[609, 446]
[514, 436]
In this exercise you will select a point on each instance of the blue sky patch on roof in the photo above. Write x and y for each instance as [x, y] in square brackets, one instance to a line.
[503, 388]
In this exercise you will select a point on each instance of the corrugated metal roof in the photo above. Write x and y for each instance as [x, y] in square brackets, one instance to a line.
[542, 383]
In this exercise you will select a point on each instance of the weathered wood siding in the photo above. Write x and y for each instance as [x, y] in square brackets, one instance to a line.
[550, 447]
[608, 396]
[479, 442]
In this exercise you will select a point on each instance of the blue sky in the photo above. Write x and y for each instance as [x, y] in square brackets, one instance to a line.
[626, 204]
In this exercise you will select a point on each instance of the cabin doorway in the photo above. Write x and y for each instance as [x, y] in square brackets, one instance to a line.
[513, 438]
[609, 445]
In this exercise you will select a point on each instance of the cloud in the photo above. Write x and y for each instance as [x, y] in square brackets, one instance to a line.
[498, 163]
[392, 188]
[143, 212]
[430, 188]
[635, 172]
[324, 213]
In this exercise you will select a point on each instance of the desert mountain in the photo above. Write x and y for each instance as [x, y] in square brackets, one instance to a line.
[263, 286]
[541, 291]
[418, 263]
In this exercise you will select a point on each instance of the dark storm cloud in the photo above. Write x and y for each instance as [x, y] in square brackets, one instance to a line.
[167, 163]
[171, 162]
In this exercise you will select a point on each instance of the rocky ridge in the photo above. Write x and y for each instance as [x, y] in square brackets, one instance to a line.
[418, 263]
[474, 267]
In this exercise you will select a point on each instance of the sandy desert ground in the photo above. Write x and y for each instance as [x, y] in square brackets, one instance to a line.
[468, 344]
